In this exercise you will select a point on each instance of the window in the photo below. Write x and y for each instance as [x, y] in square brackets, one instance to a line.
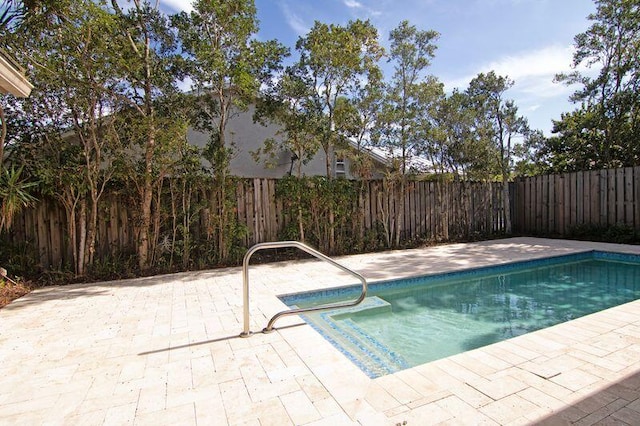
[341, 170]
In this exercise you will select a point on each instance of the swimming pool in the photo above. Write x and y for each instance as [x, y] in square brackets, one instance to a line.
[403, 323]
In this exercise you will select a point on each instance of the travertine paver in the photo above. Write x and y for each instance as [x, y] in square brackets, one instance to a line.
[165, 350]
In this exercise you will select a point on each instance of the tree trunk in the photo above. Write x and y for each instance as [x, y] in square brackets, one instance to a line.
[154, 236]
[70, 209]
[145, 224]
[186, 223]
[83, 237]
[174, 223]
[92, 231]
[327, 162]
[384, 210]
[3, 135]
[332, 230]
[300, 219]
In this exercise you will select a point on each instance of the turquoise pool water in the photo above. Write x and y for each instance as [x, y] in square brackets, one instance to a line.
[404, 323]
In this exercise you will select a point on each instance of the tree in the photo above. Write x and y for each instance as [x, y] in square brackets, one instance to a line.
[500, 124]
[404, 121]
[606, 126]
[227, 67]
[455, 145]
[288, 102]
[16, 14]
[147, 60]
[357, 117]
[71, 62]
[532, 160]
[335, 60]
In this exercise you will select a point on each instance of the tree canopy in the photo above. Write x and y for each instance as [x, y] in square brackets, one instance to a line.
[604, 130]
[107, 111]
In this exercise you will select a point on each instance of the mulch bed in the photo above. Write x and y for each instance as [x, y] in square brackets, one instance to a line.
[10, 292]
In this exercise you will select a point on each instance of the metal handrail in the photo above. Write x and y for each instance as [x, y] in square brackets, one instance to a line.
[282, 244]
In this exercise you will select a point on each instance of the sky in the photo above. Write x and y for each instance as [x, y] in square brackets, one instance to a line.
[530, 41]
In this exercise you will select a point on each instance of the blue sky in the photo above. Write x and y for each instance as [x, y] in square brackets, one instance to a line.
[528, 40]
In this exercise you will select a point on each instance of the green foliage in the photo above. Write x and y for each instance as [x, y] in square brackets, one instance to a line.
[15, 195]
[21, 258]
[119, 265]
[106, 75]
[288, 102]
[499, 123]
[457, 146]
[307, 204]
[226, 65]
[335, 61]
[403, 124]
[603, 132]
[615, 233]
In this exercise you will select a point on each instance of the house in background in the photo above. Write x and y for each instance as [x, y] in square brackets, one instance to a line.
[248, 137]
[12, 78]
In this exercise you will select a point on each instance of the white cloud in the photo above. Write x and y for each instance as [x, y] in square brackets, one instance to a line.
[533, 74]
[179, 5]
[360, 9]
[528, 69]
[295, 22]
[533, 71]
[353, 4]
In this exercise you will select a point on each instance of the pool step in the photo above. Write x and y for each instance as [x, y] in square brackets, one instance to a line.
[369, 306]
[380, 359]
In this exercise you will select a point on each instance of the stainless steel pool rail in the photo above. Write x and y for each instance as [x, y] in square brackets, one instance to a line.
[288, 244]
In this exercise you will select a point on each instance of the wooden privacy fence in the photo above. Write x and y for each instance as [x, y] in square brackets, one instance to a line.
[553, 204]
[417, 210]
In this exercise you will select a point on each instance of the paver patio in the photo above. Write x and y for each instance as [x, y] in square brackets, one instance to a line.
[164, 350]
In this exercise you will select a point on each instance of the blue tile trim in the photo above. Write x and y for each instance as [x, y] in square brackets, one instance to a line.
[363, 367]
[397, 361]
[354, 290]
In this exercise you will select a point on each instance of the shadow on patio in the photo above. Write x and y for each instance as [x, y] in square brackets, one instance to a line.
[618, 403]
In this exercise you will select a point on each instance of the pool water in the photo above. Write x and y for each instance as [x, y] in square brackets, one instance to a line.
[405, 323]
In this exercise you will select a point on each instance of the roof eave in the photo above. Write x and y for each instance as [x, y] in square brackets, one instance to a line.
[12, 79]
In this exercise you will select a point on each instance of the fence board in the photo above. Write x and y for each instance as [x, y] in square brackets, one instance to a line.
[586, 197]
[611, 196]
[573, 198]
[628, 196]
[271, 204]
[556, 203]
[636, 185]
[604, 196]
[560, 203]
[619, 191]
[579, 197]
[551, 201]
[594, 195]
[567, 202]
[545, 205]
